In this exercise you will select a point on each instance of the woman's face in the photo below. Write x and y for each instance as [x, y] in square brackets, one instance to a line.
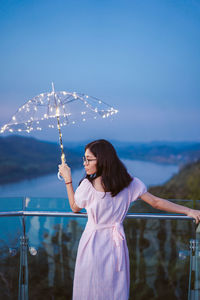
[90, 163]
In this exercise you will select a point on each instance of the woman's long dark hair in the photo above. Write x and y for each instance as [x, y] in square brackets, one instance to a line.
[112, 171]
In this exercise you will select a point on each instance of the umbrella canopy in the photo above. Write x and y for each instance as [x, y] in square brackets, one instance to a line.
[57, 109]
[44, 109]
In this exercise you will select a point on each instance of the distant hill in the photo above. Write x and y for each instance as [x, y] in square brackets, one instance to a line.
[25, 158]
[183, 185]
[162, 152]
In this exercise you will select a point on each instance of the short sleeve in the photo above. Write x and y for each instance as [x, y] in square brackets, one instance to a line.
[83, 194]
[137, 189]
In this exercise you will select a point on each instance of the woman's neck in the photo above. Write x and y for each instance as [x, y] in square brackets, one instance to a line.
[97, 183]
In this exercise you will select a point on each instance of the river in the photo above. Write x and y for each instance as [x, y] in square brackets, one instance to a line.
[49, 186]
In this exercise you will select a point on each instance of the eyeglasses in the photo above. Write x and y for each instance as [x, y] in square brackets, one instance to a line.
[87, 160]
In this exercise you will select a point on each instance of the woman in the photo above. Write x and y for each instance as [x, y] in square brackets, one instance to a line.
[102, 264]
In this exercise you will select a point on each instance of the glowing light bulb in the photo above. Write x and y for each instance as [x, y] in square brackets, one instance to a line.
[75, 96]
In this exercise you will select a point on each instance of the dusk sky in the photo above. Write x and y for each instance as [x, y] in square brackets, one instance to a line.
[141, 57]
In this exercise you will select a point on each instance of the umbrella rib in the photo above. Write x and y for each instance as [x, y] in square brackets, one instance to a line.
[48, 105]
[63, 106]
[72, 100]
[89, 105]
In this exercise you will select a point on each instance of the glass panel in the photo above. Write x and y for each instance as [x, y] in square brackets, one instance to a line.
[11, 204]
[10, 232]
[46, 204]
[53, 243]
[159, 258]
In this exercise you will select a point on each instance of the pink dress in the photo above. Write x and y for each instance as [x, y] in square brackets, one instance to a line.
[102, 263]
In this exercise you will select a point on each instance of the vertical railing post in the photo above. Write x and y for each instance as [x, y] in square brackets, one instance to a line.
[23, 273]
[193, 288]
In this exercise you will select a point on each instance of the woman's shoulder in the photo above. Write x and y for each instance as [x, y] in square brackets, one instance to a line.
[137, 183]
[83, 194]
[136, 189]
[85, 183]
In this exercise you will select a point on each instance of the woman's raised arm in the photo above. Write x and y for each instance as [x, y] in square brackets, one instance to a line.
[65, 172]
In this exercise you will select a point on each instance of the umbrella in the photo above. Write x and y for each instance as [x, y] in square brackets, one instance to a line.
[57, 109]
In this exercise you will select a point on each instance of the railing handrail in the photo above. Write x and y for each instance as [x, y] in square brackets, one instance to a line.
[21, 213]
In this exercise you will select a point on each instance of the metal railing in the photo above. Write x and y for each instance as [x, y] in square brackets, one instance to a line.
[24, 213]
[193, 253]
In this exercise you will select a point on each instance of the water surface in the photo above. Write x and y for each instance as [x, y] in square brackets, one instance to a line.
[49, 186]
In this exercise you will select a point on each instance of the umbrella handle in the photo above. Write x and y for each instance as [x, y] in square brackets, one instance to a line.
[63, 161]
[60, 177]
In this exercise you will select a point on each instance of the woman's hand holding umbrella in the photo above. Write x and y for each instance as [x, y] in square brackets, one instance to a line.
[65, 171]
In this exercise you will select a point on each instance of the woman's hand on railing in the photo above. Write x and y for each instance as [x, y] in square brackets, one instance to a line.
[195, 214]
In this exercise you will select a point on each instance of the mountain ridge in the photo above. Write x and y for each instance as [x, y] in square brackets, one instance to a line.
[183, 185]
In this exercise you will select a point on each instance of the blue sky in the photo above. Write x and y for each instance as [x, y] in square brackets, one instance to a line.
[142, 57]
